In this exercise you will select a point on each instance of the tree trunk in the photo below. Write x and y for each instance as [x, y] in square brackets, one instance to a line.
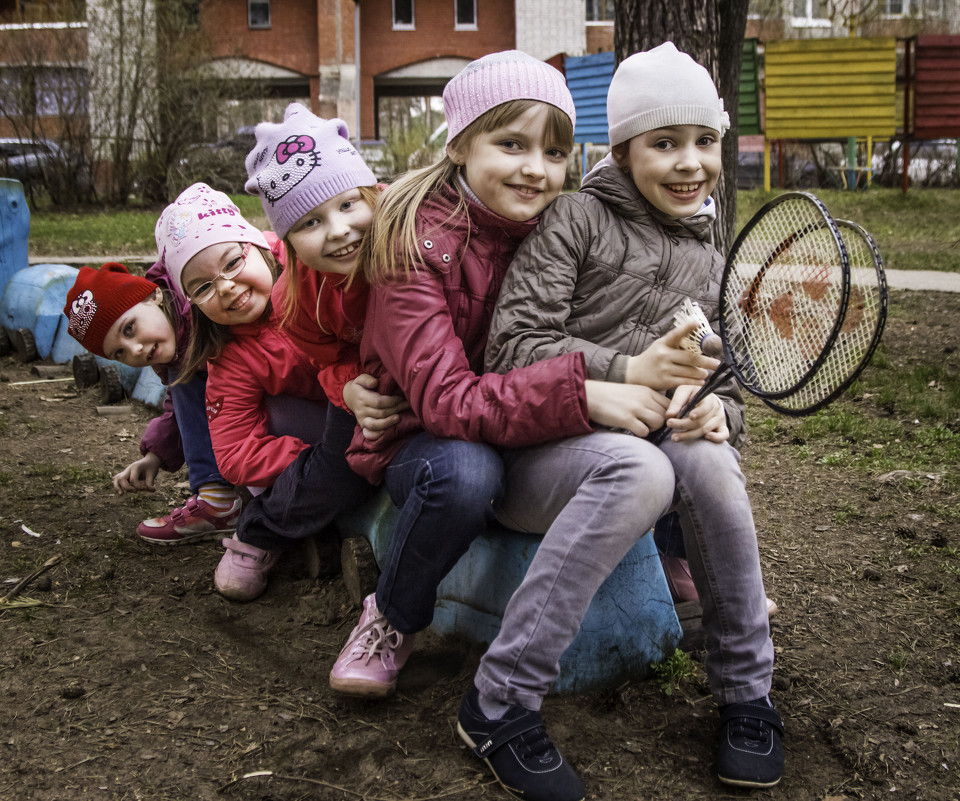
[711, 31]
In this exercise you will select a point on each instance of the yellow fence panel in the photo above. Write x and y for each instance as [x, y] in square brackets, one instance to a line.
[826, 88]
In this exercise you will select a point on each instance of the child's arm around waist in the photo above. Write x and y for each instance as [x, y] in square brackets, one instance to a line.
[412, 332]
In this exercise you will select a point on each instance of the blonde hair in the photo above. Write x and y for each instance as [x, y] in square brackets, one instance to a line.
[391, 247]
[207, 338]
[291, 292]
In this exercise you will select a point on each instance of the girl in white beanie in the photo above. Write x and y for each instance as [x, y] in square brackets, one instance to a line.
[604, 274]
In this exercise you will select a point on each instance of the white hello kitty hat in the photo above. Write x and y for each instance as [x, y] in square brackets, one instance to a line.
[300, 163]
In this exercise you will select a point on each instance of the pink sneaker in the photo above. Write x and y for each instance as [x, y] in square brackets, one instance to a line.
[242, 572]
[194, 521]
[677, 572]
[373, 656]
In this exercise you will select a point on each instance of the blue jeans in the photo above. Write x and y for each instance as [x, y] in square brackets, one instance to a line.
[190, 407]
[593, 497]
[446, 490]
[306, 497]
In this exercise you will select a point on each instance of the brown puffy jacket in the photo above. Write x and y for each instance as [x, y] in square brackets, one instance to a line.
[604, 274]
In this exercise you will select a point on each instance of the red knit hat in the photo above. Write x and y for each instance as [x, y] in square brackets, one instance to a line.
[98, 297]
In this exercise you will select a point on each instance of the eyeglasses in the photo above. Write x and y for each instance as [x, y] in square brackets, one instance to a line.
[208, 289]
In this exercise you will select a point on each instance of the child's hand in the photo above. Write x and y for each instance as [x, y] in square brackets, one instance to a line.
[138, 476]
[665, 364]
[707, 419]
[638, 409]
[374, 412]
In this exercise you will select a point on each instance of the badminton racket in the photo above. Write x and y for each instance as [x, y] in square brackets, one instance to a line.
[783, 297]
[859, 333]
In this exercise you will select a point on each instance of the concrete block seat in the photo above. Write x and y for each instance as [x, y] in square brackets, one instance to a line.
[631, 621]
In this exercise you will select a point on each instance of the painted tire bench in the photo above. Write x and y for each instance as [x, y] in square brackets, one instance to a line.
[631, 621]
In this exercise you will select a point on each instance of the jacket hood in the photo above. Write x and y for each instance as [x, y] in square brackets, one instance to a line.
[608, 183]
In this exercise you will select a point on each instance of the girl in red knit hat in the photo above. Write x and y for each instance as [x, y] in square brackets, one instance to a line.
[144, 322]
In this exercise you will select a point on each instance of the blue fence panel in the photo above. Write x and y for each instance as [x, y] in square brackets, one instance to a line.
[589, 78]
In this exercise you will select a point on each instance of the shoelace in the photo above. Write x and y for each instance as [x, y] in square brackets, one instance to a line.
[374, 639]
[751, 729]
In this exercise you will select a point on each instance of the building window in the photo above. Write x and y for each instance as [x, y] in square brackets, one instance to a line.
[258, 13]
[465, 15]
[403, 15]
[809, 14]
[600, 11]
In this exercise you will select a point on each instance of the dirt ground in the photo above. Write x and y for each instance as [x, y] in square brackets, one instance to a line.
[132, 679]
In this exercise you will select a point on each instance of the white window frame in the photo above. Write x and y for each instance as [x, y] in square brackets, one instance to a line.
[464, 26]
[608, 21]
[404, 26]
[808, 20]
[259, 26]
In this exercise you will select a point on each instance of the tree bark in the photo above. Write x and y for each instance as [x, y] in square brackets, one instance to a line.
[711, 31]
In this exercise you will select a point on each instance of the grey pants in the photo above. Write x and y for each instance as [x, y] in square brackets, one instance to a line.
[593, 497]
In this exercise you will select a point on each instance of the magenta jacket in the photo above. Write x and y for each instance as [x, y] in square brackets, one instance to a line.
[425, 337]
[162, 435]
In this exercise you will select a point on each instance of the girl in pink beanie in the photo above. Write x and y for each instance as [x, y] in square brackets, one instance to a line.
[474, 444]
[145, 322]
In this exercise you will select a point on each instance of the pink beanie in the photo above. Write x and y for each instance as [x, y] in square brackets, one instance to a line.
[300, 163]
[200, 217]
[499, 78]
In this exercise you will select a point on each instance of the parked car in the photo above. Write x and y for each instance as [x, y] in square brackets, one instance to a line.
[27, 160]
[218, 164]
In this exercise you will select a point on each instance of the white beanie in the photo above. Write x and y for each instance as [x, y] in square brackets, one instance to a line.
[658, 88]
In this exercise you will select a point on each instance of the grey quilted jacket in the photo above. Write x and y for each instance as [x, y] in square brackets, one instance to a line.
[603, 273]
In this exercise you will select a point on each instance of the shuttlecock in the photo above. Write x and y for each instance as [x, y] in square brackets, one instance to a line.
[703, 339]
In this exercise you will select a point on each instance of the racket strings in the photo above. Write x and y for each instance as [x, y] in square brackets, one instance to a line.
[859, 332]
[785, 291]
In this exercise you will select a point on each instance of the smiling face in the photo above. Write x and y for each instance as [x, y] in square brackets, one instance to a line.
[516, 169]
[328, 237]
[236, 301]
[142, 336]
[675, 168]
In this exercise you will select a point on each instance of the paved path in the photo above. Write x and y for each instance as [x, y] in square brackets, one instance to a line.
[896, 279]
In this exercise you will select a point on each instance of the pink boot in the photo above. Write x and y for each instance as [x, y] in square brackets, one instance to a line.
[374, 654]
[242, 572]
[677, 572]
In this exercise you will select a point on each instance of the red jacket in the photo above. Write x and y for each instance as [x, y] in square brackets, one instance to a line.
[328, 323]
[260, 360]
[425, 337]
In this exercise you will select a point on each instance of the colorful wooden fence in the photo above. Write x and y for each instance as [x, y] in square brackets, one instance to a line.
[828, 89]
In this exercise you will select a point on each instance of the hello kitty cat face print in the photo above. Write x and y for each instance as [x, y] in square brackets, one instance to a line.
[290, 163]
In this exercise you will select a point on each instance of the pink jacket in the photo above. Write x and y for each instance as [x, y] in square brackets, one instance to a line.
[425, 337]
[260, 360]
[328, 323]
[162, 435]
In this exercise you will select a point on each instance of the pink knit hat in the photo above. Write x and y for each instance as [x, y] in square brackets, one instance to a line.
[498, 78]
[200, 217]
[300, 163]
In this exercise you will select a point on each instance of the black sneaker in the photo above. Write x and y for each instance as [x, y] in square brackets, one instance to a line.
[519, 752]
[751, 747]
